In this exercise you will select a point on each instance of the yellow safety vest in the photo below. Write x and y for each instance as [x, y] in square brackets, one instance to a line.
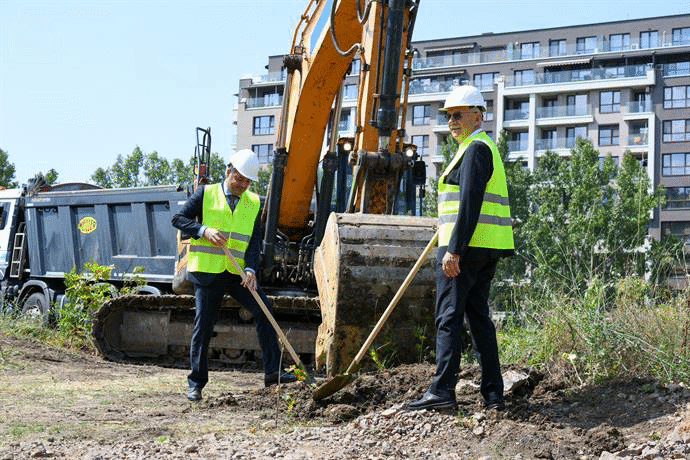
[237, 227]
[494, 228]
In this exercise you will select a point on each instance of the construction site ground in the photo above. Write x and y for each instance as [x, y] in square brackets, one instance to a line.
[58, 403]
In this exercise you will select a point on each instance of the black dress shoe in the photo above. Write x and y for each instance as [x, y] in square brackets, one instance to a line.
[272, 379]
[494, 401]
[432, 401]
[194, 394]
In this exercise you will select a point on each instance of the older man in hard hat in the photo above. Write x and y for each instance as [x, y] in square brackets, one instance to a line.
[474, 232]
[226, 216]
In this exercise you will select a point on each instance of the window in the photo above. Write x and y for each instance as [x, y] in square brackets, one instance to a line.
[355, 67]
[608, 135]
[524, 77]
[557, 48]
[681, 36]
[422, 143]
[676, 97]
[585, 45]
[485, 81]
[529, 50]
[489, 112]
[675, 164]
[265, 97]
[649, 39]
[619, 42]
[573, 133]
[446, 58]
[640, 103]
[677, 68]
[638, 133]
[576, 105]
[264, 125]
[677, 197]
[548, 139]
[548, 108]
[677, 229]
[676, 130]
[264, 152]
[520, 141]
[421, 114]
[438, 84]
[345, 118]
[610, 102]
[350, 91]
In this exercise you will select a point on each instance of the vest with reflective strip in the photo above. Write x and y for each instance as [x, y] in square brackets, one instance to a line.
[494, 228]
[237, 227]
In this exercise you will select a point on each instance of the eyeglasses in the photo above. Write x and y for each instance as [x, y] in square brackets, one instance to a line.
[456, 116]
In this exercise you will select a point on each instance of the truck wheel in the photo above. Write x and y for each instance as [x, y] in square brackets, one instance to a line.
[35, 305]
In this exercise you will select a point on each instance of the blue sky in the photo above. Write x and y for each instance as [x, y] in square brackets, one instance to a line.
[84, 81]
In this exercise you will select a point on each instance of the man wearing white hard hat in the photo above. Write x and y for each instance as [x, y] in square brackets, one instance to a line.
[475, 230]
[226, 216]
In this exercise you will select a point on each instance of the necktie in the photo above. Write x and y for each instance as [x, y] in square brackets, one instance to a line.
[232, 201]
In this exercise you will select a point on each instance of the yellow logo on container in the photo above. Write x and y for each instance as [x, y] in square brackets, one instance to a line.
[87, 224]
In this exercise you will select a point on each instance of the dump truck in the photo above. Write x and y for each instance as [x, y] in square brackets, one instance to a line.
[329, 274]
[46, 231]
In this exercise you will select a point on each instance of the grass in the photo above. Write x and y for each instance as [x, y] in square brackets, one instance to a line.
[640, 333]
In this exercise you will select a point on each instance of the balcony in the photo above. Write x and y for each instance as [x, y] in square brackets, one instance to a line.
[571, 76]
[263, 102]
[638, 140]
[417, 87]
[515, 114]
[562, 111]
[513, 54]
[640, 107]
[517, 146]
[270, 77]
[554, 144]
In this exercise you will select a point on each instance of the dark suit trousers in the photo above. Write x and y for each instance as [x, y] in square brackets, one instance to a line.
[466, 294]
[208, 300]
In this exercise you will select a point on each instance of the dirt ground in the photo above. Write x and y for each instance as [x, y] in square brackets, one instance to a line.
[65, 404]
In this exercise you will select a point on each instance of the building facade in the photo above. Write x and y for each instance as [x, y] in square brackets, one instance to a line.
[625, 85]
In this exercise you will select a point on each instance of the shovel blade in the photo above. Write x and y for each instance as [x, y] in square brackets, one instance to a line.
[333, 385]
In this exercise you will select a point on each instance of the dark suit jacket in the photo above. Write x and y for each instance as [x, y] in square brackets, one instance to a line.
[190, 220]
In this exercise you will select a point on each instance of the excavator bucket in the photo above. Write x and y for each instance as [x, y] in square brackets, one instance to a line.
[358, 268]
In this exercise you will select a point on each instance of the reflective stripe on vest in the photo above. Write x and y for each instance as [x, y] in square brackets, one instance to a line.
[494, 226]
[236, 226]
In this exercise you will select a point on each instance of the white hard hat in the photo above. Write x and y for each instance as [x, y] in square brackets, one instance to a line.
[464, 96]
[246, 163]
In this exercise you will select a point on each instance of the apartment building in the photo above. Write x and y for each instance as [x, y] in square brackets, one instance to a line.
[625, 85]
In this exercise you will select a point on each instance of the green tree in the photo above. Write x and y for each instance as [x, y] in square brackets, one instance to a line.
[589, 219]
[127, 169]
[51, 177]
[103, 177]
[218, 168]
[449, 148]
[157, 170]
[260, 186]
[519, 180]
[7, 171]
[180, 173]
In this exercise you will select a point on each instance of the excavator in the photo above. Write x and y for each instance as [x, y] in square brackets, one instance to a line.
[329, 274]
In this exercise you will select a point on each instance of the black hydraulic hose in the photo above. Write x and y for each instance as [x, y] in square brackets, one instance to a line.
[387, 117]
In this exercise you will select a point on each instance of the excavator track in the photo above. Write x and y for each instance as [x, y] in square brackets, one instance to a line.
[157, 330]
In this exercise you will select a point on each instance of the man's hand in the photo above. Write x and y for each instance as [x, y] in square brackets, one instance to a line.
[451, 265]
[249, 280]
[215, 237]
